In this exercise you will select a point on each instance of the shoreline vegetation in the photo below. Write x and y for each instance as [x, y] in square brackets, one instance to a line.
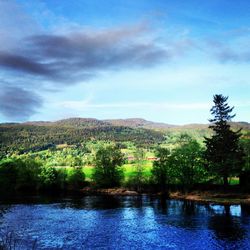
[207, 168]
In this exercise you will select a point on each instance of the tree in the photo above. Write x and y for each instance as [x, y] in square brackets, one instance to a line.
[245, 174]
[107, 162]
[47, 178]
[28, 174]
[8, 175]
[223, 153]
[161, 170]
[245, 144]
[76, 178]
[138, 177]
[186, 163]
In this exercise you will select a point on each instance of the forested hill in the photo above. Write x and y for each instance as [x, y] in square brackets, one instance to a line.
[34, 136]
[91, 122]
[22, 137]
[130, 122]
[139, 123]
[72, 122]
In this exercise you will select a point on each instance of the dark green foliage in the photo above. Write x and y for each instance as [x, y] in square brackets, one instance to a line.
[48, 178]
[76, 178]
[245, 174]
[223, 154]
[61, 179]
[187, 164]
[137, 178]
[161, 171]
[28, 174]
[245, 144]
[23, 138]
[17, 174]
[107, 162]
[8, 175]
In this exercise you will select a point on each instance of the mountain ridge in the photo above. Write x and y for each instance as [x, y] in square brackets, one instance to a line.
[79, 122]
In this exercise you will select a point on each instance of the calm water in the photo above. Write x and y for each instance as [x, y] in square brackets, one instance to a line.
[98, 222]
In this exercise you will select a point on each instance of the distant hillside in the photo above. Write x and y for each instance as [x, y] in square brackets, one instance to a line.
[139, 123]
[92, 122]
[35, 136]
[234, 125]
[70, 122]
[38, 135]
[77, 122]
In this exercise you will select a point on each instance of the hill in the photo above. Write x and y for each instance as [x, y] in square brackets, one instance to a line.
[39, 135]
[92, 122]
[35, 136]
[139, 123]
[78, 122]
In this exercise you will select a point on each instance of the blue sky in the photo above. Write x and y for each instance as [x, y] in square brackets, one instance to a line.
[158, 60]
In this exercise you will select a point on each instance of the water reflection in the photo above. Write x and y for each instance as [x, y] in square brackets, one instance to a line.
[4, 209]
[245, 210]
[162, 205]
[225, 225]
[110, 222]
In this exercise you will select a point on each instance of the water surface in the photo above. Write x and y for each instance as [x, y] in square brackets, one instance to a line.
[103, 222]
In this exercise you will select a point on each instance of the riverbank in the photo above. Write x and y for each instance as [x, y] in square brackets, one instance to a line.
[208, 196]
[212, 197]
[198, 196]
[109, 191]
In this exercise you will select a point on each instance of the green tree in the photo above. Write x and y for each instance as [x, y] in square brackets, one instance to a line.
[187, 163]
[138, 178]
[161, 171]
[8, 175]
[244, 176]
[28, 174]
[223, 154]
[107, 162]
[245, 144]
[48, 178]
[76, 178]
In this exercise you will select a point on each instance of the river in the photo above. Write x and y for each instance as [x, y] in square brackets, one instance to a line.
[106, 222]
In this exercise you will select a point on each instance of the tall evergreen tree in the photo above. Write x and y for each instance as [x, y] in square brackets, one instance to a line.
[223, 153]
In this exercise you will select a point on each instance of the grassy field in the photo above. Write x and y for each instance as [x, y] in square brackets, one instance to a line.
[128, 169]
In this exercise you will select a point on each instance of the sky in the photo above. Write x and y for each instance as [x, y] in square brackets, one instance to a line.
[160, 60]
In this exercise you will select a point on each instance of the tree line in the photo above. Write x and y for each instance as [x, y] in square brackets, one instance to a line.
[20, 138]
[223, 155]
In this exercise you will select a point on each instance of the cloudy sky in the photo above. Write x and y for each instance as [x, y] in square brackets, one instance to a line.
[161, 60]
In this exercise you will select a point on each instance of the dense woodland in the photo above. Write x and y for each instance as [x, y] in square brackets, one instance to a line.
[22, 138]
[74, 153]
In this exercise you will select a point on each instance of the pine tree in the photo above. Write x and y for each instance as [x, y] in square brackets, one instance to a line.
[223, 153]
